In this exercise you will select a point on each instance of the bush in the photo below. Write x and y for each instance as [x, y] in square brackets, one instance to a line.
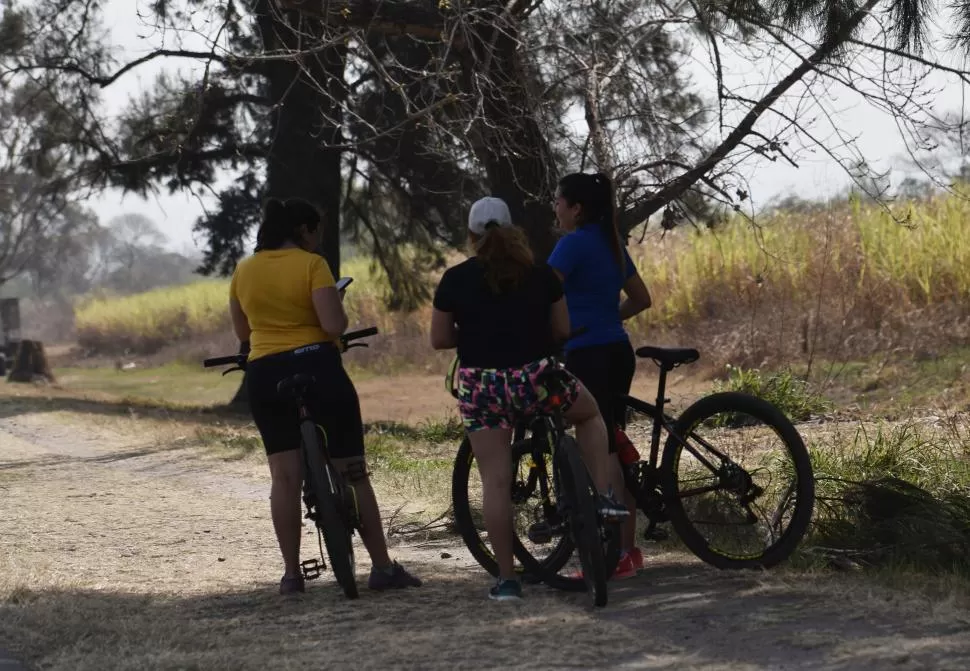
[899, 496]
[789, 393]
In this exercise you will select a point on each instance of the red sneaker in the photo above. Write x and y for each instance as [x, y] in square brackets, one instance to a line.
[626, 568]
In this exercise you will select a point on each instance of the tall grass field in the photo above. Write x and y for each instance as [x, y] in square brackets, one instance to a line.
[849, 280]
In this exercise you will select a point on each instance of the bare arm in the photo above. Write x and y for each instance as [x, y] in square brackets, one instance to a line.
[559, 321]
[637, 297]
[240, 323]
[330, 310]
[444, 334]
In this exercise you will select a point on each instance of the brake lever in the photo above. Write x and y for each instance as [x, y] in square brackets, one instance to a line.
[356, 344]
[233, 370]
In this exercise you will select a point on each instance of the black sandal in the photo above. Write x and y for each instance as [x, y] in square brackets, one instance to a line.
[292, 585]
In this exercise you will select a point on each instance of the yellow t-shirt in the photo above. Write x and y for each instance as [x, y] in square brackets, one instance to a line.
[274, 288]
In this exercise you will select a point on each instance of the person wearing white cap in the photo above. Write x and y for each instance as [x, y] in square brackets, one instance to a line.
[505, 313]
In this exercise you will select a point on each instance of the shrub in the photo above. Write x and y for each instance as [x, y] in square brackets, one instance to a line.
[789, 393]
[897, 496]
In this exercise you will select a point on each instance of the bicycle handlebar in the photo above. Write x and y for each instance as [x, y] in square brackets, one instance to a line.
[345, 340]
[224, 360]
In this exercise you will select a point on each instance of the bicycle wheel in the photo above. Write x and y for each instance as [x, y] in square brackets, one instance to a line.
[692, 467]
[583, 519]
[529, 508]
[326, 492]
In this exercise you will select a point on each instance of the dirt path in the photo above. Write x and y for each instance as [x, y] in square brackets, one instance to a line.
[123, 550]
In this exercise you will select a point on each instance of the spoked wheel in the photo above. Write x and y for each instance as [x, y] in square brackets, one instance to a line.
[330, 500]
[597, 547]
[737, 481]
[538, 532]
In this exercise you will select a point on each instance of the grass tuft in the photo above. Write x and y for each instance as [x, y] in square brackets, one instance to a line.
[789, 393]
[895, 496]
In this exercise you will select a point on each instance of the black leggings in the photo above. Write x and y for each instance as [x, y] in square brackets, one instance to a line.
[333, 402]
[607, 371]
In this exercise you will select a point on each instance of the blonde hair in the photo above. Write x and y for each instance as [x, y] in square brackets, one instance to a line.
[505, 254]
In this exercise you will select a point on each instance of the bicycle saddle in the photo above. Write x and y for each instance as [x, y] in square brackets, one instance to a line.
[554, 379]
[295, 385]
[669, 357]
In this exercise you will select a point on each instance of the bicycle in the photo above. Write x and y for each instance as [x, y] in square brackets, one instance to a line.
[653, 482]
[330, 503]
[576, 507]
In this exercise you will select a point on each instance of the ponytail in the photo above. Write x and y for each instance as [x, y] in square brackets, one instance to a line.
[594, 193]
[505, 254]
[282, 220]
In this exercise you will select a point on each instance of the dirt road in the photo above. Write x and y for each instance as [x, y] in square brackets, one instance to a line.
[125, 545]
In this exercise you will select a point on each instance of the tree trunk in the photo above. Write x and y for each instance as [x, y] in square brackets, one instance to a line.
[304, 119]
[506, 136]
[307, 93]
[30, 363]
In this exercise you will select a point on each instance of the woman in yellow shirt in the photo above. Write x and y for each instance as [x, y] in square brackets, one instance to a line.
[283, 298]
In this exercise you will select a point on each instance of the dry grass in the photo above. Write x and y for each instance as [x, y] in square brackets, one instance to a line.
[842, 282]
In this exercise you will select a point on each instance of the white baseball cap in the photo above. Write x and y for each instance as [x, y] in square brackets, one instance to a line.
[487, 210]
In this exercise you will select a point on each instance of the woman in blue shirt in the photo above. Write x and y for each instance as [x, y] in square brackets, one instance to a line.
[594, 267]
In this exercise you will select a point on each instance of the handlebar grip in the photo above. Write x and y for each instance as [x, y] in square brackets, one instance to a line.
[362, 333]
[224, 360]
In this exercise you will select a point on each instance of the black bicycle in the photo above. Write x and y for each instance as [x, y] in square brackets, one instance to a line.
[571, 496]
[331, 504]
[701, 490]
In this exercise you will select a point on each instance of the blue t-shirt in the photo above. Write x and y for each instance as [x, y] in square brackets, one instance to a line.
[592, 281]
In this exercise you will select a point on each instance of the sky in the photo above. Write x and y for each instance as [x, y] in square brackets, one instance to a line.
[816, 176]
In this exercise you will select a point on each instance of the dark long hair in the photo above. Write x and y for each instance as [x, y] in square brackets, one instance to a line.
[594, 193]
[505, 254]
[282, 219]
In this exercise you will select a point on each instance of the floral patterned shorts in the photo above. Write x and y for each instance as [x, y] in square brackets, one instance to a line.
[496, 398]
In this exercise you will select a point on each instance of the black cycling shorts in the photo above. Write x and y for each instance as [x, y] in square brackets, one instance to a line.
[607, 371]
[333, 401]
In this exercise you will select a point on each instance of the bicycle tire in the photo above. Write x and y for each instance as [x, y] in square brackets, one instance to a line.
[758, 408]
[325, 486]
[577, 488]
[531, 569]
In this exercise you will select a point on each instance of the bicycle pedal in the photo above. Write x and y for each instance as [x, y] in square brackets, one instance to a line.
[312, 568]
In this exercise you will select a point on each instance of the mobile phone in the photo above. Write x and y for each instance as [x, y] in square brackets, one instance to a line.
[344, 282]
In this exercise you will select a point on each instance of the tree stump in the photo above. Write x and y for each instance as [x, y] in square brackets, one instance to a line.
[30, 363]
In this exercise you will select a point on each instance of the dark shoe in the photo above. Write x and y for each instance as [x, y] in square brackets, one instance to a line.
[610, 509]
[391, 577]
[506, 590]
[292, 585]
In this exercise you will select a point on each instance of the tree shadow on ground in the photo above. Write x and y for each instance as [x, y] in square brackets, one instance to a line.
[54, 460]
[63, 401]
[674, 617]
[786, 620]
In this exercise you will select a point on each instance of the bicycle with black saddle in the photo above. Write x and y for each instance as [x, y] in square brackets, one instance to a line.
[331, 504]
[712, 482]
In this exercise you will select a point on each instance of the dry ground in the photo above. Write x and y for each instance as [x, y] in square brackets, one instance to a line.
[126, 544]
